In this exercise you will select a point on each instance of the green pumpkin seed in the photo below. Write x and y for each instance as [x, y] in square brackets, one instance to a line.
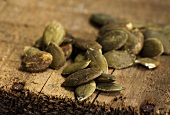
[80, 57]
[119, 59]
[58, 55]
[82, 76]
[86, 44]
[38, 43]
[113, 40]
[28, 50]
[67, 49]
[97, 60]
[54, 32]
[148, 62]
[109, 87]
[85, 90]
[152, 47]
[37, 62]
[105, 78]
[75, 67]
[101, 19]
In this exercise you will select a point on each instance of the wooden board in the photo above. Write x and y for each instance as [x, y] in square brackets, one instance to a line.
[22, 22]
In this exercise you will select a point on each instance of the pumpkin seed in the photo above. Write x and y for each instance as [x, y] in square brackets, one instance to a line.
[97, 60]
[113, 40]
[152, 47]
[37, 62]
[54, 32]
[38, 43]
[101, 19]
[105, 78]
[75, 67]
[85, 44]
[82, 76]
[148, 62]
[109, 87]
[28, 50]
[119, 59]
[80, 57]
[85, 90]
[68, 38]
[58, 55]
[67, 49]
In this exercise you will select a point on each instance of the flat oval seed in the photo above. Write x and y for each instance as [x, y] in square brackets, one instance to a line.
[67, 49]
[82, 76]
[85, 90]
[113, 40]
[58, 55]
[80, 57]
[105, 78]
[109, 87]
[119, 59]
[28, 50]
[97, 60]
[75, 67]
[152, 47]
[148, 62]
[37, 62]
[54, 32]
[86, 44]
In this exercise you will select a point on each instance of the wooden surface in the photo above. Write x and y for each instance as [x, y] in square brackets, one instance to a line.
[23, 21]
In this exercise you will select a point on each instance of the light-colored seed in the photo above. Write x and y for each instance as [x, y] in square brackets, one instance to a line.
[28, 50]
[109, 87]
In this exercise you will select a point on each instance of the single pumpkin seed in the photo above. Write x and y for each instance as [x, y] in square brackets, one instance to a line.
[75, 67]
[148, 62]
[54, 32]
[37, 62]
[152, 47]
[82, 76]
[80, 57]
[58, 55]
[85, 44]
[85, 90]
[97, 60]
[38, 43]
[109, 87]
[67, 49]
[28, 50]
[119, 59]
[113, 40]
[105, 78]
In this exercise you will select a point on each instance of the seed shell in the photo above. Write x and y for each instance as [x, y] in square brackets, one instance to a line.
[58, 55]
[148, 62]
[80, 57]
[82, 76]
[105, 78]
[152, 48]
[109, 87]
[37, 62]
[85, 90]
[119, 59]
[75, 67]
[28, 50]
[97, 60]
[67, 49]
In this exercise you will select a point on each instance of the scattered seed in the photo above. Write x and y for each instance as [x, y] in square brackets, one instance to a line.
[105, 78]
[109, 87]
[28, 50]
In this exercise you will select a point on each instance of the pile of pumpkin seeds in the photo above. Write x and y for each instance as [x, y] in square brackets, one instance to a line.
[120, 44]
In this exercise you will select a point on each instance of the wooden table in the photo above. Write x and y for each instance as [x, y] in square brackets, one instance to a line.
[23, 21]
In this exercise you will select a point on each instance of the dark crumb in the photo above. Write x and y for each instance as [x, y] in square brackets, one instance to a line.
[147, 108]
[30, 103]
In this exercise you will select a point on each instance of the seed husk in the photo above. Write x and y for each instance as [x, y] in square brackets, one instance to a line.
[37, 62]
[105, 78]
[152, 48]
[97, 60]
[58, 55]
[80, 57]
[113, 40]
[86, 44]
[109, 87]
[85, 90]
[54, 32]
[67, 49]
[28, 50]
[82, 76]
[148, 62]
[75, 67]
[119, 59]
[101, 19]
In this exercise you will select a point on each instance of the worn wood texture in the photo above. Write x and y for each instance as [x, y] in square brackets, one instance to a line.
[23, 21]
